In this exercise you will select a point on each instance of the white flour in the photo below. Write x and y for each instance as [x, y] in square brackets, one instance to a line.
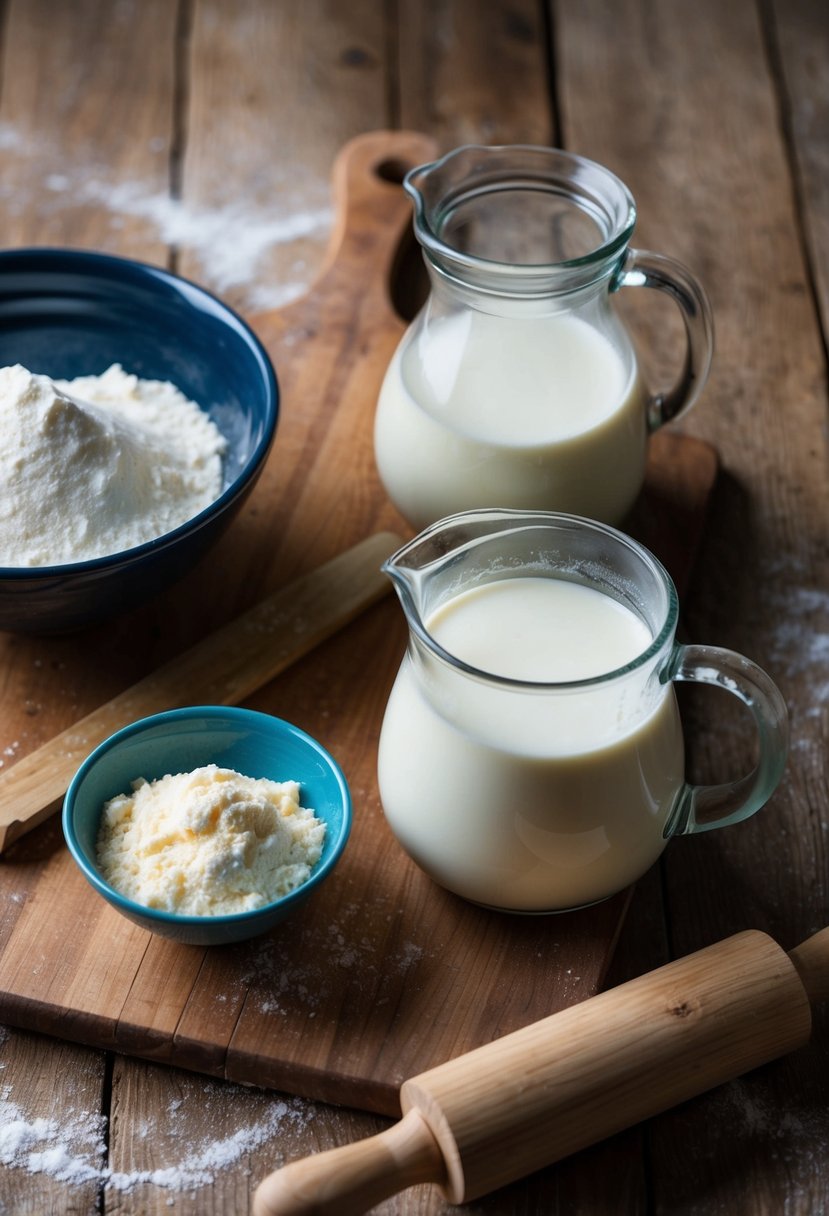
[73, 1150]
[258, 251]
[98, 464]
[229, 242]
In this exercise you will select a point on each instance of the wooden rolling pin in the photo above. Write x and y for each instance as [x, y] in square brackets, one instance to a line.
[524, 1101]
[222, 669]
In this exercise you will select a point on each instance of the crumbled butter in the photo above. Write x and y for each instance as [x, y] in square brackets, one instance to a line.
[209, 842]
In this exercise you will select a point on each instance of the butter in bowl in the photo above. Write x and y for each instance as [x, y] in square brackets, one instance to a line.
[207, 824]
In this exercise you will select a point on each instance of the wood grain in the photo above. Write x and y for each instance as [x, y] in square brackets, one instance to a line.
[291, 83]
[60, 1084]
[798, 40]
[70, 177]
[469, 77]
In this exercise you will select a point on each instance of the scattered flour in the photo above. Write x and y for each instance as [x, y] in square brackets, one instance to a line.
[797, 1136]
[98, 464]
[231, 242]
[331, 964]
[800, 642]
[73, 1150]
[10, 750]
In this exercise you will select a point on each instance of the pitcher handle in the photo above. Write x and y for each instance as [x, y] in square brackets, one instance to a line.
[641, 268]
[700, 808]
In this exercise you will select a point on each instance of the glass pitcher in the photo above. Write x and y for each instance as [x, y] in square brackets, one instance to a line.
[531, 754]
[517, 385]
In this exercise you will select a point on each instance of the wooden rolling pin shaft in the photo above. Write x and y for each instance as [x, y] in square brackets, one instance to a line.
[222, 669]
[526, 1100]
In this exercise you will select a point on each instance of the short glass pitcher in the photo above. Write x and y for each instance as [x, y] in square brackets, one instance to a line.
[531, 754]
[518, 385]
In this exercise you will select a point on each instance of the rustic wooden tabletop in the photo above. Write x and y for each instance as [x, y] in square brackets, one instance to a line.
[200, 135]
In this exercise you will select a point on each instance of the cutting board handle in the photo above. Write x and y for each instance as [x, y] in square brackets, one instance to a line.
[372, 212]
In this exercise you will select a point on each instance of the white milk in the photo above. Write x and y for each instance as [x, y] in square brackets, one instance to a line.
[525, 412]
[529, 799]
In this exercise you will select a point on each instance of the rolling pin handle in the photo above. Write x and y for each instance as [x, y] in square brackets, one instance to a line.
[350, 1180]
[811, 960]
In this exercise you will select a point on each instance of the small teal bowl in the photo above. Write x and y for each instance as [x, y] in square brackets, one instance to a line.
[67, 313]
[181, 740]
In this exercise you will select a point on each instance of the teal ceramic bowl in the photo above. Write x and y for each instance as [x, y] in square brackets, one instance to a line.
[180, 740]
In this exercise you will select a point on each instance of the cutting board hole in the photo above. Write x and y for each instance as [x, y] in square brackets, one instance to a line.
[409, 281]
[392, 169]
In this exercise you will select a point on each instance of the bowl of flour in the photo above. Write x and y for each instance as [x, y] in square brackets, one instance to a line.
[136, 413]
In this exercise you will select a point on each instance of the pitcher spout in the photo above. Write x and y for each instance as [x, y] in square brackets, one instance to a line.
[456, 553]
[403, 570]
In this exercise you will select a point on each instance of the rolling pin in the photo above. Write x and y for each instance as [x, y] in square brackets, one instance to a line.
[558, 1085]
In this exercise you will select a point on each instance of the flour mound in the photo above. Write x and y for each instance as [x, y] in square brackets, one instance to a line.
[97, 465]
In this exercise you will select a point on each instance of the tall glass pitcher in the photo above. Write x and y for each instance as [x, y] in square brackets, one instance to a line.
[517, 385]
[531, 755]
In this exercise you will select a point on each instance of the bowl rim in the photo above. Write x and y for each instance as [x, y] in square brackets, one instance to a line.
[139, 270]
[183, 713]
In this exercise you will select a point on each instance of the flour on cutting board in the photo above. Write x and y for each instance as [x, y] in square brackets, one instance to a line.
[73, 1149]
[376, 961]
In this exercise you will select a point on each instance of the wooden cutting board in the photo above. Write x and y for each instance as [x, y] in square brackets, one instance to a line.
[382, 974]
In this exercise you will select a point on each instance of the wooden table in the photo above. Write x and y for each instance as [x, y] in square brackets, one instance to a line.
[200, 135]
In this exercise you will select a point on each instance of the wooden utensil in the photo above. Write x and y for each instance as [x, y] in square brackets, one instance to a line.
[526, 1100]
[221, 669]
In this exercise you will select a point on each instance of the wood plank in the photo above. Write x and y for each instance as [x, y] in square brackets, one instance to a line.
[798, 35]
[273, 91]
[76, 989]
[453, 64]
[269, 90]
[469, 76]
[67, 167]
[52, 1134]
[66, 170]
[700, 148]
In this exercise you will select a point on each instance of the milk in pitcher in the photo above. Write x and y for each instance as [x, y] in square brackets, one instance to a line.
[539, 412]
[512, 798]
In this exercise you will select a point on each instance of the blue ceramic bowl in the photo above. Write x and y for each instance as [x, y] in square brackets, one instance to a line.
[180, 740]
[65, 313]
